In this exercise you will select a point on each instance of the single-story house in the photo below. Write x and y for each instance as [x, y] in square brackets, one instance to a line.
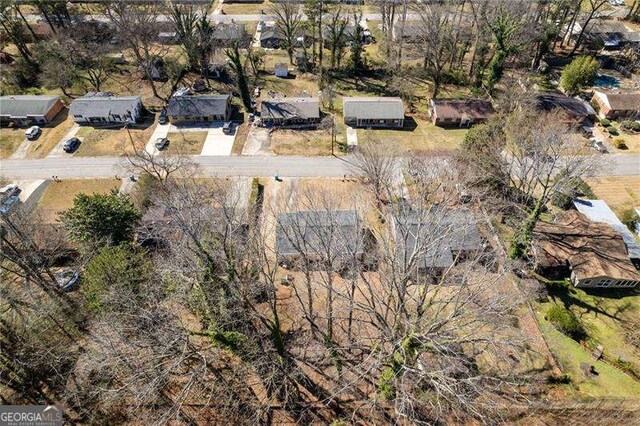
[226, 33]
[310, 235]
[592, 253]
[373, 112]
[611, 33]
[599, 211]
[459, 112]
[575, 110]
[271, 38]
[439, 238]
[25, 110]
[104, 108]
[199, 108]
[612, 105]
[290, 111]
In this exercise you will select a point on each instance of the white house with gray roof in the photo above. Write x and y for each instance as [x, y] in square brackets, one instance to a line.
[25, 110]
[373, 112]
[102, 108]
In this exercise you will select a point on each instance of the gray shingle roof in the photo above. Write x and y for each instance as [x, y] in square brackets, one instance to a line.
[437, 235]
[548, 101]
[373, 108]
[198, 106]
[23, 105]
[599, 211]
[103, 106]
[288, 108]
[313, 232]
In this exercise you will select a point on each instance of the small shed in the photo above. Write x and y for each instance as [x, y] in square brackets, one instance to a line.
[281, 70]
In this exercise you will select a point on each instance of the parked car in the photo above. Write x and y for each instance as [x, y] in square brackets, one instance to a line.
[161, 143]
[10, 190]
[71, 145]
[227, 128]
[162, 119]
[256, 92]
[9, 204]
[68, 280]
[33, 132]
[598, 146]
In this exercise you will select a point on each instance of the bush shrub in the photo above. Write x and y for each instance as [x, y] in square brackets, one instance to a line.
[633, 126]
[605, 122]
[620, 143]
[566, 322]
[630, 219]
[613, 131]
[559, 379]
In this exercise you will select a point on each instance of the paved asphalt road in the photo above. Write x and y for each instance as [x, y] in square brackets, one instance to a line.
[101, 167]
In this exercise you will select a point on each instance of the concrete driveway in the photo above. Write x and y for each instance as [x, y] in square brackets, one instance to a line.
[57, 151]
[258, 142]
[21, 151]
[161, 131]
[352, 137]
[217, 143]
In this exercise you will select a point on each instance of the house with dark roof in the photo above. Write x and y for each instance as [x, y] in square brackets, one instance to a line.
[271, 38]
[104, 108]
[575, 110]
[226, 34]
[437, 239]
[610, 34]
[612, 105]
[319, 236]
[25, 110]
[459, 112]
[290, 112]
[199, 108]
[591, 253]
[373, 112]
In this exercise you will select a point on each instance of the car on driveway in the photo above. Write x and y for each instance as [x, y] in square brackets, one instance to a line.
[598, 145]
[33, 132]
[227, 128]
[10, 190]
[161, 143]
[68, 280]
[71, 145]
[162, 119]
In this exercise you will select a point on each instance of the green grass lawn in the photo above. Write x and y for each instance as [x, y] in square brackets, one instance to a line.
[187, 143]
[609, 321]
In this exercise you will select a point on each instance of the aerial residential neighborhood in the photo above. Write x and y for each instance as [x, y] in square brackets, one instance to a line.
[315, 212]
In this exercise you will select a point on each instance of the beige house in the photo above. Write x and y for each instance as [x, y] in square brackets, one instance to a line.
[617, 105]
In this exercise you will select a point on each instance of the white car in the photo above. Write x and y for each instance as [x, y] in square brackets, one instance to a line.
[33, 132]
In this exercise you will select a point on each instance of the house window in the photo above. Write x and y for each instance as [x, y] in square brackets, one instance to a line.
[605, 283]
[585, 282]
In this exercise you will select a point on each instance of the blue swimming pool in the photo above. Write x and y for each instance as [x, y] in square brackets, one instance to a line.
[606, 81]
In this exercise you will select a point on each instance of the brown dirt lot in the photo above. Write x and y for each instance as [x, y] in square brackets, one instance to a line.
[304, 142]
[59, 195]
[620, 192]
[186, 143]
[114, 141]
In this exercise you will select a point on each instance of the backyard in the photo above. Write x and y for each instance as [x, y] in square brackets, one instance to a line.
[610, 319]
